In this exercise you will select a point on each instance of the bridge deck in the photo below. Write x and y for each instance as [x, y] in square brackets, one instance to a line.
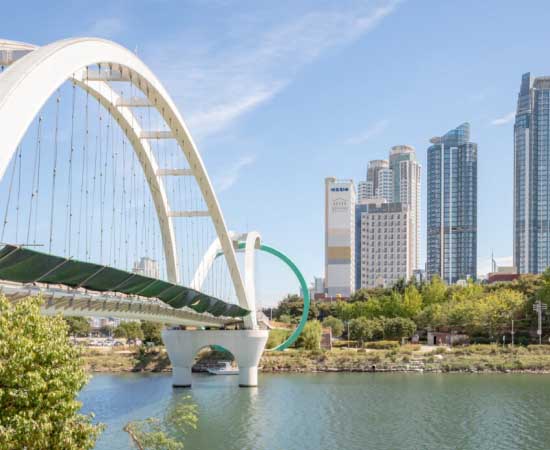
[29, 267]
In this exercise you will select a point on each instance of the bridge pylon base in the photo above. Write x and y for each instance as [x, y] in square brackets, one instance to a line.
[245, 345]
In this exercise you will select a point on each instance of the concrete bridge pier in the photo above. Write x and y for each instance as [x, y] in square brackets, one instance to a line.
[245, 345]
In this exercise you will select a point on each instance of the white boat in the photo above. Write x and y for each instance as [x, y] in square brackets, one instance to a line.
[225, 369]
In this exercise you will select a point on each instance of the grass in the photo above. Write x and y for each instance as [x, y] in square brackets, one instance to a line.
[474, 358]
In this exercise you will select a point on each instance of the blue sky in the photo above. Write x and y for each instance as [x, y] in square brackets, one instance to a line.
[279, 95]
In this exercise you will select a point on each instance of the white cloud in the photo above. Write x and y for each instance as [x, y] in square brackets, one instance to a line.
[107, 27]
[507, 118]
[484, 265]
[216, 80]
[232, 173]
[372, 131]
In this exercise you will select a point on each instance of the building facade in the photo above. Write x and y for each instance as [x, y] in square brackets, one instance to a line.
[452, 206]
[406, 190]
[147, 266]
[396, 182]
[532, 176]
[339, 237]
[386, 244]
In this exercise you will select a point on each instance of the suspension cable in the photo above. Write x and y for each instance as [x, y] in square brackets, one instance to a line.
[56, 142]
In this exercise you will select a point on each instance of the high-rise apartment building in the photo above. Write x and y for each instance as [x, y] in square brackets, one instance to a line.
[364, 190]
[398, 184]
[339, 237]
[387, 246]
[406, 190]
[147, 266]
[452, 206]
[532, 176]
[380, 178]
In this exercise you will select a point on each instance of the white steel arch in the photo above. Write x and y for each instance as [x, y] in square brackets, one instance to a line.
[30, 81]
[252, 241]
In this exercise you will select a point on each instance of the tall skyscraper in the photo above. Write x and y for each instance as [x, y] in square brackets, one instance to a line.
[396, 182]
[532, 176]
[339, 237]
[452, 206]
[406, 190]
[380, 178]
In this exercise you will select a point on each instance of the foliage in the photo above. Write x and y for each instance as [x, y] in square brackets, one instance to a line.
[335, 324]
[398, 327]
[129, 330]
[41, 374]
[293, 305]
[383, 345]
[285, 318]
[310, 339]
[277, 337]
[152, 332]
[483, 311]
[165, 434]
[363, 329]
[434, 292]
[78, 326]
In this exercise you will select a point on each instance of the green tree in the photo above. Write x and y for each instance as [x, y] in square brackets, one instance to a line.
[41, 373]
[152, 332]
[344, 310]
[391, 305]
[363, 329]
[412, 302]
[285, 318]
[165, 433]
[398, 327]
[434, 292]
[310, 339]
[369, 309]
[78, 326]
[129, 330]
[335, 324]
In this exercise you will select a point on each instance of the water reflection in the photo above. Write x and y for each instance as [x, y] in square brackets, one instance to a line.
[328, 411]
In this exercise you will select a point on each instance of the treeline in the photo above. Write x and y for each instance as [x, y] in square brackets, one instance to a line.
[484, 312]
[144, 331]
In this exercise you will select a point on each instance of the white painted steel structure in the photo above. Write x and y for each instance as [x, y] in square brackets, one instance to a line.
[252, 241]
[30, 80]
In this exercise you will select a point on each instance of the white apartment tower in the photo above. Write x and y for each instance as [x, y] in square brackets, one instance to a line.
[339, 237]
[406, 174]
[398, 186]
[387, 246]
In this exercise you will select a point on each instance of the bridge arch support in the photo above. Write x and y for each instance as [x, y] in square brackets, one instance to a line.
[245, 345]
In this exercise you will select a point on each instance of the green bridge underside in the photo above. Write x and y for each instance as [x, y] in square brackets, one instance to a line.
[23, 265]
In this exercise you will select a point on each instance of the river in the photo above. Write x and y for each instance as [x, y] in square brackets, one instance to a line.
[336, 411]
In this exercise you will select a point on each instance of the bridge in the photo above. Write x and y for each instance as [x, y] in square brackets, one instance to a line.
[108, 207]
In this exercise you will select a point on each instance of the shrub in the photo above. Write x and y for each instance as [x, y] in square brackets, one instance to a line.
[382, 345]
[277, 337]
[310, 339]
[335, 324]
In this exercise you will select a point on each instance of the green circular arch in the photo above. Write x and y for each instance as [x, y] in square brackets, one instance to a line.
[292, 338]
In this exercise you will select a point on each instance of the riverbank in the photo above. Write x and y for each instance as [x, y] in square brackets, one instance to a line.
[407, 358]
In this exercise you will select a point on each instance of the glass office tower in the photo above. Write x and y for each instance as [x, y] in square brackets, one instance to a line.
[532, 176]
[452, 206]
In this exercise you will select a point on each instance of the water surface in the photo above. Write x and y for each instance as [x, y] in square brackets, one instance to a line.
[336, 411]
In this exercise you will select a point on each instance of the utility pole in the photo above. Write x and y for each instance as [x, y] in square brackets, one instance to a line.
[539, 307]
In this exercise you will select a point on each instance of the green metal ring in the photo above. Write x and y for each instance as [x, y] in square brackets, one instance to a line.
[292, 338]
